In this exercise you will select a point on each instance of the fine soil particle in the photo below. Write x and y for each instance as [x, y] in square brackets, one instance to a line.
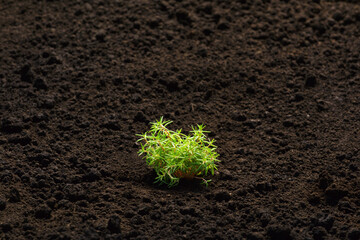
[275, 81]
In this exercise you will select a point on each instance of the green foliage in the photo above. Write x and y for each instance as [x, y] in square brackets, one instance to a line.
[174, 155]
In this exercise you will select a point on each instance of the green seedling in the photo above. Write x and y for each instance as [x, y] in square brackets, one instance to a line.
[174, 155]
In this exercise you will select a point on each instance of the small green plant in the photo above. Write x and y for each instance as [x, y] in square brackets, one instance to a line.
[174, 155]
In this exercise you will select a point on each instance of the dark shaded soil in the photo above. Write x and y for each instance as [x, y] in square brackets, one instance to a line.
[276, 81]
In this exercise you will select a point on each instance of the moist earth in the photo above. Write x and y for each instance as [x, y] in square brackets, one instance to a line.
[277, 82]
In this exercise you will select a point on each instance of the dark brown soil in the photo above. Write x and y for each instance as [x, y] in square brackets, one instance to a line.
[276, 81]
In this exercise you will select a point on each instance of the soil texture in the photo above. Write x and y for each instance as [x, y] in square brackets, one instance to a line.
[277, 82]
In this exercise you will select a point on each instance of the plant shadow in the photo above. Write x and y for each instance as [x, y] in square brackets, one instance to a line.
[185, 185]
